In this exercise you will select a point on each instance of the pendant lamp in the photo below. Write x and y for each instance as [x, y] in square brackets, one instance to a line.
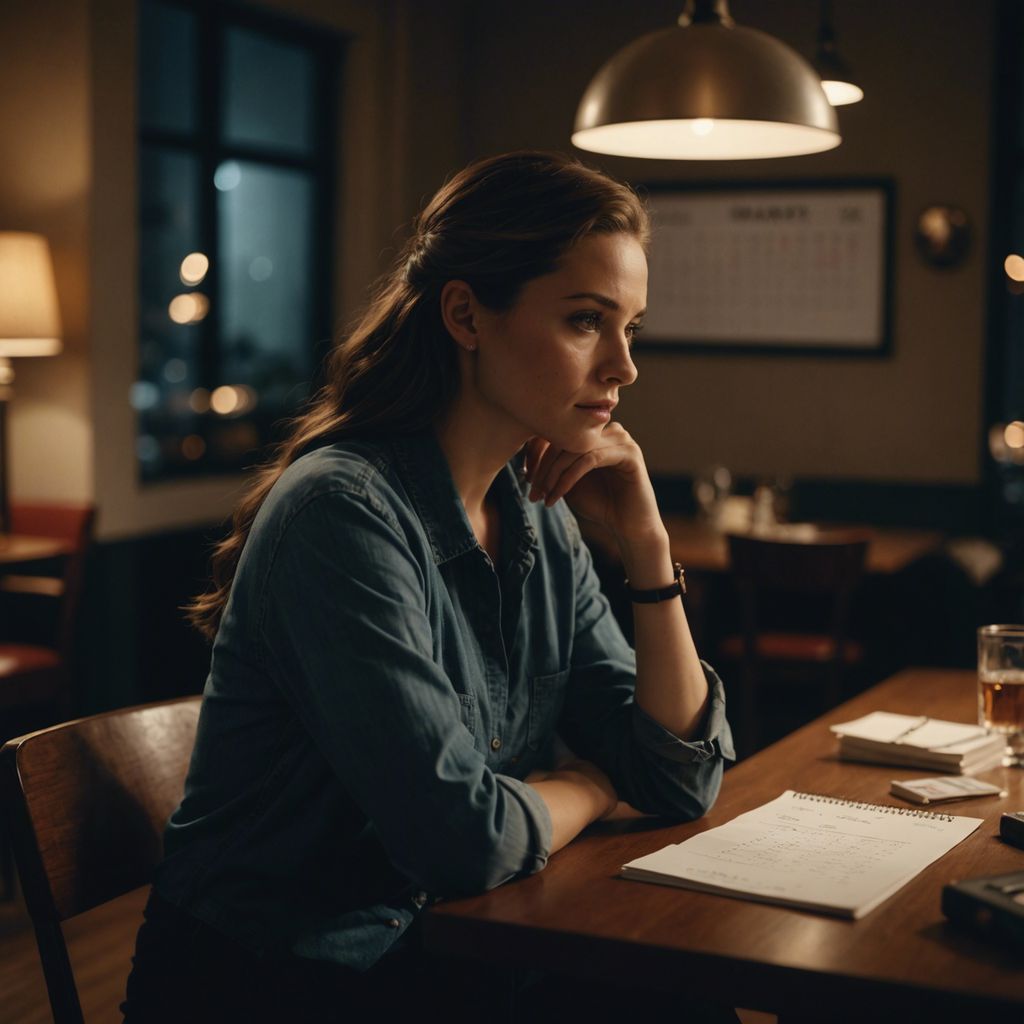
[706, 90]
[836, 78]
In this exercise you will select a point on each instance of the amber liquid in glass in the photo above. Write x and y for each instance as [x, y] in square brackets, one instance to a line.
[1001, 695]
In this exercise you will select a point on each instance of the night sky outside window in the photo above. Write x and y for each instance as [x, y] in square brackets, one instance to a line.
[235, 187]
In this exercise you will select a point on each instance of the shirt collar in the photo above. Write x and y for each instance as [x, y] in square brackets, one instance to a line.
[428, 480]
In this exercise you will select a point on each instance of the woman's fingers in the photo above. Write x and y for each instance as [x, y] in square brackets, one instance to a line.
[553, 472]
[541, 478]
[584, 464]
[556, 471]
[535, 449]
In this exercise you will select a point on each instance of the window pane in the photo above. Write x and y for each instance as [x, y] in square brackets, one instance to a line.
[268, 90]
[167, 67]
[265, 219]
[172, 306]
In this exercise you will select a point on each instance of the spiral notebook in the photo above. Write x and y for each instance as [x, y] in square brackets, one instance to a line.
[810, 852]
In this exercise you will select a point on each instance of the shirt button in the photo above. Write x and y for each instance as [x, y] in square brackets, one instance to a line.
[394, 923]
[496, 743]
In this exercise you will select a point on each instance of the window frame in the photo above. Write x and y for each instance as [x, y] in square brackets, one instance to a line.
[208, 143]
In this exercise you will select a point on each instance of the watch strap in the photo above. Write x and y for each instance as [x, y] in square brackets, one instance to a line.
[675, 589]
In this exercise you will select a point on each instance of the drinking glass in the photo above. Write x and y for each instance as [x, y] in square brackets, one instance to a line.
[1001, 685]
[712, 488]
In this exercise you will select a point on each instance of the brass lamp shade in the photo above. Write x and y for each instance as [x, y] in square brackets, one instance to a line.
[706, 90]
[29, 315]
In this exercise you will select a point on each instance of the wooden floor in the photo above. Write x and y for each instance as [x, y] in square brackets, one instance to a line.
[100, 944]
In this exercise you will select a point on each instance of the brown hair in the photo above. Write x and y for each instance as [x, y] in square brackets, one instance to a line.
[497, 224]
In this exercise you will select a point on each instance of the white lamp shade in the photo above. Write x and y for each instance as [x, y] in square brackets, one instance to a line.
[29, 315]
[840, 92]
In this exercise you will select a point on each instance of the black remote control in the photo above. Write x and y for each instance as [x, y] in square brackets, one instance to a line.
[1011, 828]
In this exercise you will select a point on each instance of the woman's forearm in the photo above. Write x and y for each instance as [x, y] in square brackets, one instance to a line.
[576, 795]
[670, 682]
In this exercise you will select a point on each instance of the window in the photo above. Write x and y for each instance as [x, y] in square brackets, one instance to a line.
[1003, 457]
[236, 181]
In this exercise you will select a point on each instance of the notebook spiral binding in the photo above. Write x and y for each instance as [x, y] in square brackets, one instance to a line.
[860, 805]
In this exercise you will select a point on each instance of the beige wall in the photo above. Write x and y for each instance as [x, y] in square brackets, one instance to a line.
[45, 183]
[926, 68]
[428, 86]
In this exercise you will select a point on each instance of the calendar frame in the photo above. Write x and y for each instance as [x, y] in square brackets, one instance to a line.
[880, 345]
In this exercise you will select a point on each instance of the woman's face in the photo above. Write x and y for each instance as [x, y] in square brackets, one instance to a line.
[553, 364]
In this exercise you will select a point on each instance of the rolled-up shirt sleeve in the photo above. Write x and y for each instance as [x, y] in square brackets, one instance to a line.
[651, 768]
[356, 662]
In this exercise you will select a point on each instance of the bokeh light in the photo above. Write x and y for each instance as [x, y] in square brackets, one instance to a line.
[193, 268]
[193, 447]
[1014, 267]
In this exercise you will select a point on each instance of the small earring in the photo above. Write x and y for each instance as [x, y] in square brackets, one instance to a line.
[470, 348]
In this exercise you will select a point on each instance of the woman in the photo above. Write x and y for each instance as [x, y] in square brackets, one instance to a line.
[405, 619]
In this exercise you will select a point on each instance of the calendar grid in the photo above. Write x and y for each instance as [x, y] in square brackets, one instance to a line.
[791, 267]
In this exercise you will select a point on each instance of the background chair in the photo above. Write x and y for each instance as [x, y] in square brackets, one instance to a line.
[87, 802]
[777, 581]
[40, 603]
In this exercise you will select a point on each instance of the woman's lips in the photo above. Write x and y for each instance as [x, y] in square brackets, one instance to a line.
[599, 410]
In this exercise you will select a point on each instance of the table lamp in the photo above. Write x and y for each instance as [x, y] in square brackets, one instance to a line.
[29, 324]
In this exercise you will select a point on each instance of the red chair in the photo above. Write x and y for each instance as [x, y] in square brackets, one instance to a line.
[766, 570]
[38, 674]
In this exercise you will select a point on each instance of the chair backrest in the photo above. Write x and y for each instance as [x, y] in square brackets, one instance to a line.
[87, 802]
[73, 524]
[828, 566]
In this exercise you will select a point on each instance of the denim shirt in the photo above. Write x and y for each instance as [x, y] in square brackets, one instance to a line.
[378, 692]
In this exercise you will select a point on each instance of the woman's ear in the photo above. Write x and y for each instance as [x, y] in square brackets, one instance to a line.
[459, 313]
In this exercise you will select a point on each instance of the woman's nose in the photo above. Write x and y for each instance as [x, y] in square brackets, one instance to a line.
[620, 368]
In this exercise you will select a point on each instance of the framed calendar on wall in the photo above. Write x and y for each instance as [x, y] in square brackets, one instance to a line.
[786, 267]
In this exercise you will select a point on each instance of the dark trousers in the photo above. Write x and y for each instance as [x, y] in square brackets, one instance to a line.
[186, 972]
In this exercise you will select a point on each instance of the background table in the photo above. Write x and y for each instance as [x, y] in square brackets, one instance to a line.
[696, 545]
[903, 961]
[699, 547]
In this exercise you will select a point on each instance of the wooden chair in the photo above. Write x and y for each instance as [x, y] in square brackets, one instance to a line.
[87, 802]
[40, 672]
[825, 570]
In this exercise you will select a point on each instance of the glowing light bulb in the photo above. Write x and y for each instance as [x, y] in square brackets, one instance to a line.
[1014, 267]
[193, 268]
[224, 400]
[1013, 435]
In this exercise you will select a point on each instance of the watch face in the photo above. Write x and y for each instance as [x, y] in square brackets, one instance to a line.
[942, 235]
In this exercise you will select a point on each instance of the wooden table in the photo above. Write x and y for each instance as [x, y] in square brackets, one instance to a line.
[16, 548]
[698, 547]
[902, 961]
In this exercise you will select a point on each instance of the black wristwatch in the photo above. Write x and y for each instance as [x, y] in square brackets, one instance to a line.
[675, 589]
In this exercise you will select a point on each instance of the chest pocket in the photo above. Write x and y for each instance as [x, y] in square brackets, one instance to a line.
[467, 711]
[547, 694]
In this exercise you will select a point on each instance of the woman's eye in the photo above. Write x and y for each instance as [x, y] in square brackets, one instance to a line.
[588, 321]
[633, 330]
